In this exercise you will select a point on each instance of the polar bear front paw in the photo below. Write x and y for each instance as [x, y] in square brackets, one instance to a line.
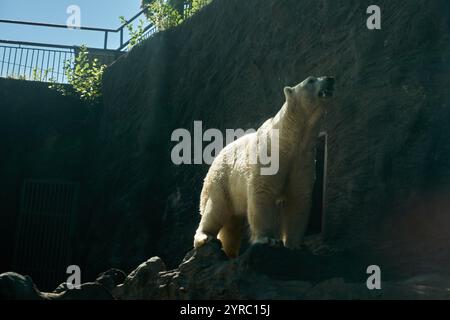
[201, 238]
[277, 243]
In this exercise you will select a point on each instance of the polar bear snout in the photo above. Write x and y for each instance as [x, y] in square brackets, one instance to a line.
[326, 87]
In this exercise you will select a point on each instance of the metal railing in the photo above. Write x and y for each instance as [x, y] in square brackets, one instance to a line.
[45, 62]
[120, 30]
[148, 30]
[33, 62]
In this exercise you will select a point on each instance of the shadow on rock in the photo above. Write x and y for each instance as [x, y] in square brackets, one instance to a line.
[262, 272]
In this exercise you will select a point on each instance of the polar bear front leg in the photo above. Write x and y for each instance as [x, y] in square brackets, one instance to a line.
[295, 218]
[263, 219]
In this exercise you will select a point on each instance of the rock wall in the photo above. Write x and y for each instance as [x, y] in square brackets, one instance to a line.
[388, 144]
[43, 135]
[207, 274]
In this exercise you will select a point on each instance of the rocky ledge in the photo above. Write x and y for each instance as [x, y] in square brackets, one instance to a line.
[260, 273]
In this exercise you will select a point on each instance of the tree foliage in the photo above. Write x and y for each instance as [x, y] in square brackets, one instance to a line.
[84, 75]
[136, 35]
[165, 14]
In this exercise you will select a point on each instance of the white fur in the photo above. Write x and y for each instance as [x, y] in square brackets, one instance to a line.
[276, 206]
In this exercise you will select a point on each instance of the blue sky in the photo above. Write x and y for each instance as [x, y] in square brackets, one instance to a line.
[94, 13]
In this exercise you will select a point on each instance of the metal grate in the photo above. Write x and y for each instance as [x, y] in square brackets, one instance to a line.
[43, 238]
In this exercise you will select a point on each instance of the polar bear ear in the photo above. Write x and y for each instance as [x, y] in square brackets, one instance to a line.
[288, 92]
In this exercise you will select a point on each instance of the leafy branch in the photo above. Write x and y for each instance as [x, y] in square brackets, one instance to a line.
[84, 75]
[137, 35]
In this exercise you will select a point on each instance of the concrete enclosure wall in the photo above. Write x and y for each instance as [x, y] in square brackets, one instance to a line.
[388, 171]
[43, 135]
[227, 66]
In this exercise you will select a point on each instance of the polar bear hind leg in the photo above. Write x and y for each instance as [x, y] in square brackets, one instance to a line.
[230, 235]
[213, 214]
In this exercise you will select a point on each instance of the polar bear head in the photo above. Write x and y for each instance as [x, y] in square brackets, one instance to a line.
[310, 95]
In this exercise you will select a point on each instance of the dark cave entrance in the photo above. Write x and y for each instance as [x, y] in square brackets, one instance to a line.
[315, 224]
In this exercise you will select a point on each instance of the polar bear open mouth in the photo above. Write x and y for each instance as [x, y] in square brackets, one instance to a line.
[326, 93]
[327, 87]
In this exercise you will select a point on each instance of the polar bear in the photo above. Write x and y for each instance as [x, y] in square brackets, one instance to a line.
[276, 206]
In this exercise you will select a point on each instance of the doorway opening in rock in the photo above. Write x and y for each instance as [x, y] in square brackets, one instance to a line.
[316, 219]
